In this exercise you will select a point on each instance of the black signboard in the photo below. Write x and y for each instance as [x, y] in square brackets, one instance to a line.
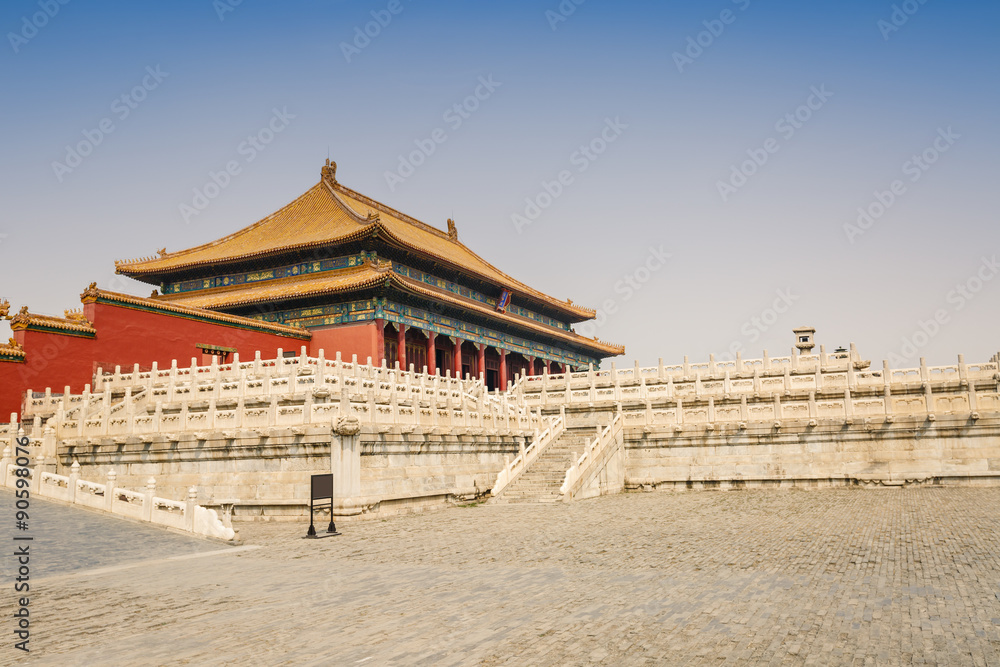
[321, 488]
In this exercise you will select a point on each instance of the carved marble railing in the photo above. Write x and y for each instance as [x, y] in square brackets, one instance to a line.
[306, 391]
[233, 415]
[512, 469]
[595, 455]
[812, 407]
[117, 391]
[145, 506]
[689, 382]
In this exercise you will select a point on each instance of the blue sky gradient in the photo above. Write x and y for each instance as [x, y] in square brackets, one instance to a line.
[889, 94]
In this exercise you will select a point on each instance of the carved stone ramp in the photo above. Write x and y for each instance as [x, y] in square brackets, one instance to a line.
[540, 483]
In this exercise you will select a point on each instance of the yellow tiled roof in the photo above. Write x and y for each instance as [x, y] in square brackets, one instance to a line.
[24, 319]
[329, 213]
[273, 290]
[11, 349]
[469, 304]
[357, 278]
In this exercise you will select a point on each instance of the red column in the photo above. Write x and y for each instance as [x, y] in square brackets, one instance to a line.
[503, 369]
[481, 361]
[431, 356]
[531, 366]
[548, 366]
[379, 342]
[401, 345]
[457, 371]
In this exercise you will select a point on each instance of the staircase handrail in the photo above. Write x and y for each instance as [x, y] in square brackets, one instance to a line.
[513, 470]
[592, 452]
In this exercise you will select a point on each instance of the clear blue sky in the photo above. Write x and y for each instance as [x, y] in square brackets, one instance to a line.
[683, 93]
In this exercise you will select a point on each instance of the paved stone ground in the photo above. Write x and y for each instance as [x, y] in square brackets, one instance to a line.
[896, 576]
[68, 539]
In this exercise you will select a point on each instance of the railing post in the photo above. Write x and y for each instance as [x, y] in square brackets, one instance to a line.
[5, 462]
[147, 501]
[109, 490]
[74, 476]
[189, 509]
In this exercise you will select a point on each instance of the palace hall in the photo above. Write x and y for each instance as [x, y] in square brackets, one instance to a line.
[333, 270]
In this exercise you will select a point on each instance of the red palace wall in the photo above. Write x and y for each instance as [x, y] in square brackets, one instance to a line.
[10, 390]
[363, 339]
[125, 336]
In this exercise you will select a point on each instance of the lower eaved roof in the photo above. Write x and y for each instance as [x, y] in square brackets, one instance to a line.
[370, 275]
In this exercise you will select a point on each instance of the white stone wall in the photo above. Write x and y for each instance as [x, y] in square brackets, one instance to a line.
[906, 451]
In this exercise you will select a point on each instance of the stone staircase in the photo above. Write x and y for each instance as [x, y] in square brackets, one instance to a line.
[540, 483]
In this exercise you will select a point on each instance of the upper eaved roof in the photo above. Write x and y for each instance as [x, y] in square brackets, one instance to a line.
[328, 214]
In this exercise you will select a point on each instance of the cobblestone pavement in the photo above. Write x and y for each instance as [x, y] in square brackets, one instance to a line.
[67, 539]
[896, 576]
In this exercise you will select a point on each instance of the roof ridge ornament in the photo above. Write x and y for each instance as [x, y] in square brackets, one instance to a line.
[452, 230]
[76, 315]
[22, 317]
[4, 308]
[91, 293]
[329, 171]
